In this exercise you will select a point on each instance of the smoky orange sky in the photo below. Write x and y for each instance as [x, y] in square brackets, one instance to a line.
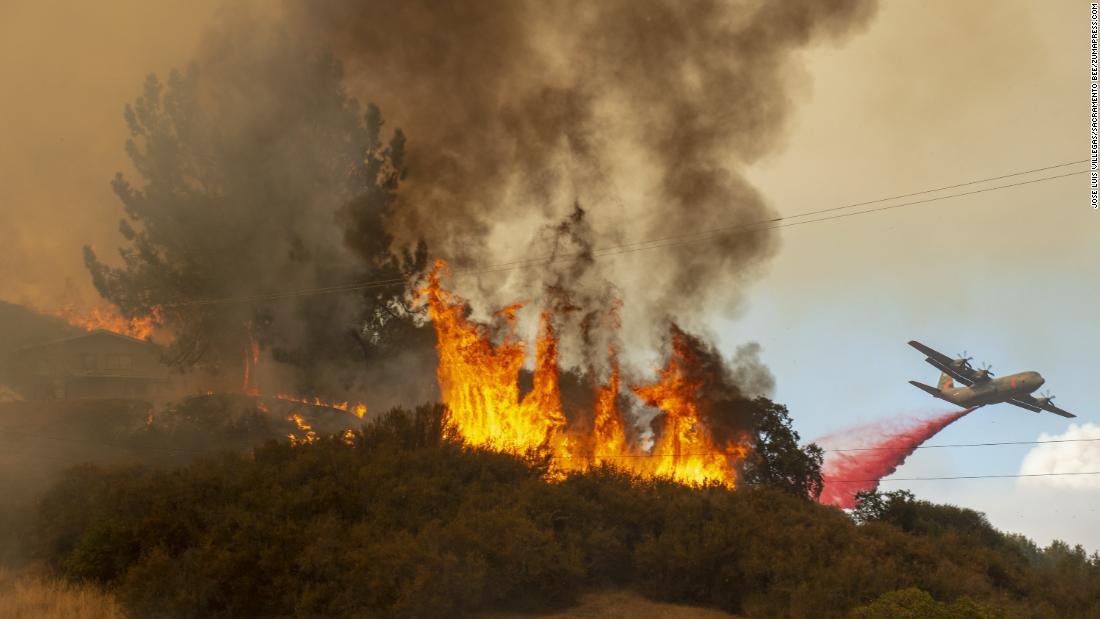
[921, 70]
[67, 69]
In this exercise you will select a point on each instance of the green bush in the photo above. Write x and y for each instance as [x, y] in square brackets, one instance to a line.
[913, 603]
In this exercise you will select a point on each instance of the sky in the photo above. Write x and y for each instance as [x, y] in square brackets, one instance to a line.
[935, 94]
[931, 94]
[64, 87]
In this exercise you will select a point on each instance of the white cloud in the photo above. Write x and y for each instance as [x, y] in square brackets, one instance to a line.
[1082, 456]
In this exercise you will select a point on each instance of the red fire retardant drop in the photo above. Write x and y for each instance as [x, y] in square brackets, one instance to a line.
[886, 446]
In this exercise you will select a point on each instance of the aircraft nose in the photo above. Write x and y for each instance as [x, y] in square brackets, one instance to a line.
[1039, 380]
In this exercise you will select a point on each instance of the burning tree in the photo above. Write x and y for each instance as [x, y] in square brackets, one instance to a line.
[707, 430]
[258, 175]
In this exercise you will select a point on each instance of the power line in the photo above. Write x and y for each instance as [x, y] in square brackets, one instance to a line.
[1062, 440]
[1017, 475]
[669, 241]
[946, 187]
[587, 457]
[702, 236]
[846, 449]
[831, 481]
[717, 231]
[712, 454]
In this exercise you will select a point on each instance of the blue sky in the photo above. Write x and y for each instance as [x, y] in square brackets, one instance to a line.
[936, 94]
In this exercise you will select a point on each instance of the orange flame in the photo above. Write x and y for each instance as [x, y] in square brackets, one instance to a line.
[609, 427]
[107, 318]
[685, 449]
[479, 382]
[309, 436]
[358, 409]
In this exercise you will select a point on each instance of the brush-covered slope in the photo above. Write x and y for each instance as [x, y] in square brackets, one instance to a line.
[398, 521]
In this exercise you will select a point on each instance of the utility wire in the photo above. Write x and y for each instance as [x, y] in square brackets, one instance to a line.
[702, 236]
[831, 481]
[857, 481]
[592, 457]
[669, 241]
[1061, 440]
[707, 454]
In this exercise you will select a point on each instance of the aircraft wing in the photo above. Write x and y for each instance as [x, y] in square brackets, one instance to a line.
[1034, 406]
[943, 363]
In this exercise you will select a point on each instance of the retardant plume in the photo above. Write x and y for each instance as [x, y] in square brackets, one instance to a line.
[646, 112]
[883, 448]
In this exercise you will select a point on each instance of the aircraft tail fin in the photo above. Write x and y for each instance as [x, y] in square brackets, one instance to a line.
[927, 388]
[946, 382]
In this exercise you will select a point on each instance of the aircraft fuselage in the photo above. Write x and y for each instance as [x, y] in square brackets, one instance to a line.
[994, 390]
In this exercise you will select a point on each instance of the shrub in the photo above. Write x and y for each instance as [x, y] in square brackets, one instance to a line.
[913, 603]
[402, 522]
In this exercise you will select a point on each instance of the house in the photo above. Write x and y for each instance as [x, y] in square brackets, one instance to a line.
[97, 364]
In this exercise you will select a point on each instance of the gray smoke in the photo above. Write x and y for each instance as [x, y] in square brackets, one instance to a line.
[645, 112]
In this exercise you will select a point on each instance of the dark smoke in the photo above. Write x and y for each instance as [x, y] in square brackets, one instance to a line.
[726, 407]
[644, 111]
[512, 113]
[585, 311]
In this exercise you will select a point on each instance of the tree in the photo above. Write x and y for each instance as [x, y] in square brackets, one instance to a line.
[777, 459]
[874, 506]
[917, 604]
[259, 175]
[903, 510]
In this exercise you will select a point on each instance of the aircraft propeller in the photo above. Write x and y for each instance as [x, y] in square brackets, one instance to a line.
[963, 359]
[1045, 398]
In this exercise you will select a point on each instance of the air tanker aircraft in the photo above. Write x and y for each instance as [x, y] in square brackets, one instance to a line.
[980, 388]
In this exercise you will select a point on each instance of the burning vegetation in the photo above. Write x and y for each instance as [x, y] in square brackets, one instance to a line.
[479, 382]
[358, 408]
[395, 520]
[108, 318]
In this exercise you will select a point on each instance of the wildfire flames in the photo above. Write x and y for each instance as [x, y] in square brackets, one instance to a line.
[479, 382]
[685, 449]
[250, 386]
[358, 409]
[308, 435]
[108, 319]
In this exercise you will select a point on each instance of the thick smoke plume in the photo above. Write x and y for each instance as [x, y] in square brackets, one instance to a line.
[644, 112]
[527, 130]
[883, 448]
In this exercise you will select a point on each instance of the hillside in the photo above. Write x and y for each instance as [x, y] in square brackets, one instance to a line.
[618, 604]
[40, 440]
[398, 521]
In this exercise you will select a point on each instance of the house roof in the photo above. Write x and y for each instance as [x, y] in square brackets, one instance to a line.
[92, 333]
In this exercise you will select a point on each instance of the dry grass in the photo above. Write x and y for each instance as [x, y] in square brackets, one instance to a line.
[619, 605]
[26, 596]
